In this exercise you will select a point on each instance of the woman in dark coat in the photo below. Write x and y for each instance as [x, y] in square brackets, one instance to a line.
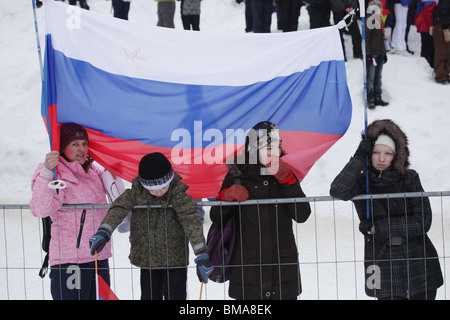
[265, 258]
[400, 259]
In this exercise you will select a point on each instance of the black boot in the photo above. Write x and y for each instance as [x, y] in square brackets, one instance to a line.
[371, 104]
[380, 102]
[38, 3]
[84, 5]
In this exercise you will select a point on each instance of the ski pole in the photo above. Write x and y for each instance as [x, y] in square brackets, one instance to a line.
[363, 47]
[37, 39]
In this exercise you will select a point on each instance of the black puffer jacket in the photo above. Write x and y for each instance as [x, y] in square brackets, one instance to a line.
[400, 259]
[265, 242]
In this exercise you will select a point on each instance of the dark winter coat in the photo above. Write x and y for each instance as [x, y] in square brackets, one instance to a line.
[190, 7]
[398, 243]
[158, 236]
[323, 4]
[441, 14]
[375, 36]
[341, 5]
[265, 251]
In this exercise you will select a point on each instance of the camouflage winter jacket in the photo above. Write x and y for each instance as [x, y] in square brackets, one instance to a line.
[159, 236]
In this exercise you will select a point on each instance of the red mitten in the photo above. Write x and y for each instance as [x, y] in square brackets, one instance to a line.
[235, 192]
[282, 172]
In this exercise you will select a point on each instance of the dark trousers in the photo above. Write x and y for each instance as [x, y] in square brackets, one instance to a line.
[73, 281]
[191, 20]
[166, 12]
[121, 9]
[248, 16]
[318, 17]
[441, 55]
[167, 284]
[427, 48]
[290, 12]
[374, 71]
[262, 15]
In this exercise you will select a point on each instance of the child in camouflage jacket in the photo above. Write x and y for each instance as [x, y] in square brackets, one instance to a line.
[158, 235]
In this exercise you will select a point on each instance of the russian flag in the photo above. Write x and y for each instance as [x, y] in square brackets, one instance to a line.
[104, 291]
[191, 95]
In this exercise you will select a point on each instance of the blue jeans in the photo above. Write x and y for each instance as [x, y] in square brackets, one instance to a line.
[73, 281]
[374, 71]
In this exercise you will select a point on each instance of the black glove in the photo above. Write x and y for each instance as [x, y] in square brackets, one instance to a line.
[366, 227]
[98, 241]
[364, 148]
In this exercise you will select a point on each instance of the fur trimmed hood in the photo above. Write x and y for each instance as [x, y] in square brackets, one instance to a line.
[234, 170]
[391, 129]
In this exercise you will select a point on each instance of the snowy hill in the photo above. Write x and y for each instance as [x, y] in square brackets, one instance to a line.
[417, 103]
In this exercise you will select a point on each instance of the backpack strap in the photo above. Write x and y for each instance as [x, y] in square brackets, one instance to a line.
[46, 235]
[44, 269]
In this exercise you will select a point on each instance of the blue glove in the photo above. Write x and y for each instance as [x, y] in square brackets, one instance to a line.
[204, 267]
[98, 241]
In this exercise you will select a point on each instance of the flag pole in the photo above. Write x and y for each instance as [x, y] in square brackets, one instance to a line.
[37, 39]
[362, 7]
[56, 184]
[363, 47]
[201, 289]
[96, 276]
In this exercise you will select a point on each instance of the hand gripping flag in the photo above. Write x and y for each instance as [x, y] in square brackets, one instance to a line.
[192, 96]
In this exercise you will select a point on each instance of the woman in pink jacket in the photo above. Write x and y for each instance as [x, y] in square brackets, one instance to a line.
[72, 267]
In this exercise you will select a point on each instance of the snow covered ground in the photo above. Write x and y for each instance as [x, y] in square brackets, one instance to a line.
[417, 104]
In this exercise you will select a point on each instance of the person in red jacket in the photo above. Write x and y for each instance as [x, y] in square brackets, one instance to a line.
[424, 24]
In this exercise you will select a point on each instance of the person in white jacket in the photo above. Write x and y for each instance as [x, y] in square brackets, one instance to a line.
[72, 267]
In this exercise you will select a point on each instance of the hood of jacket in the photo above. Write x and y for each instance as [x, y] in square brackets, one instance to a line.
[391, 129]
[234, 170]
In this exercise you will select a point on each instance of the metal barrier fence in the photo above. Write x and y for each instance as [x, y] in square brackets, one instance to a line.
[330, 247]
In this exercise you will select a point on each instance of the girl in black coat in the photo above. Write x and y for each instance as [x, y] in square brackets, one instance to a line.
[265, 258]
[400, 260]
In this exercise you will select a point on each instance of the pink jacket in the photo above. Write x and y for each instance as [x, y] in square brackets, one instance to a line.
[82, 188]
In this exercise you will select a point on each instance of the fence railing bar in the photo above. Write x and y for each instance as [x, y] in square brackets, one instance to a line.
[6, 254]
[23, 255]
[258, 201]
[444, 274]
